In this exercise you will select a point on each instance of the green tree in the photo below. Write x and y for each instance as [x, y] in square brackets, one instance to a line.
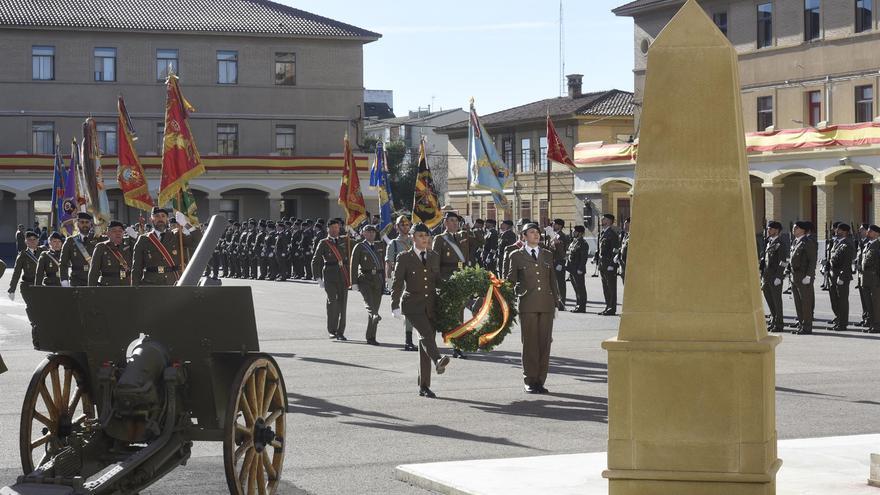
[401, 174]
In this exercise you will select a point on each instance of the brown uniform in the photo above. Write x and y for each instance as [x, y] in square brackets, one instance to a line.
[454, 251]
[534, 279]
[76, 257]
[149, 264]
[111, 265]
[333, 270]
[804, 253]
[870, 269]
[48, 269]
[414, 292]
[558, 245]
[368, 271]
[25, 270]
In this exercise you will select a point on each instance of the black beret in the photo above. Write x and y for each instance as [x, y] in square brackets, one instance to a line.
[288, 223]
[83, 216]
[297, 222]
[262, 223]
[804, 225]
[308, 221]
[529, 226]
[507, 222]
[420, 227]
[773, 224]
[115, 223]
[874, 228]
[369, 227]
[451, 214]
[479, 220]
[580, 228]
[844, 227]
[319, 220]
[56, 235]
[523, 221]
[31, 233]
[236, 224]
[159, 209]
[334, 221]
[492, 221]
[270, 224]
[559, 221]
[834, 225]
[863, 226]
[609, 216]
[229, 221]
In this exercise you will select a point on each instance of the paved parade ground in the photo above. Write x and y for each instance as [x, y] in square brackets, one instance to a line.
[355, 413]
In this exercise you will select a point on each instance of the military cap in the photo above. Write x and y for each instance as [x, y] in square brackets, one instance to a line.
[804, 225]
[288, 223]
[863, 226]
[83, 216]
[523, 221]
[844, 227]
[580, 228]
[559, 221]
[308, 221]
[529, 226]
[270, 224]
[262, 223]
[369, 227]
[492, 221]
[451, 214]
[874, 228]
[229, 221]
[420, 227]
[320, 220]
[56, 235]
[158, 209]
[834, 225]
[509, 223]
[236, 224]
[334, 221]
[478, 221]
[609, 216]
[297, 222]
[283, 219]
[115, 223]
[31, 233]
[773, 224]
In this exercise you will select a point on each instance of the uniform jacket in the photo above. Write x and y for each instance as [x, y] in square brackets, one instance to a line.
[533, 280]
[804, 255]
[72, 259]
[25, 268]
[775, 260]
[871, 265]
[414, 285]
[48, 269]
[609, 244]
[842, 255]
[365, 268]
[325, 264]
[577, 255]
[149, 266]
[107, 270]
[449, 260]
[490, 249]
[558, 247]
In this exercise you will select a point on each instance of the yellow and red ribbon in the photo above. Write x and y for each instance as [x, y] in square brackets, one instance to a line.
[479, 318]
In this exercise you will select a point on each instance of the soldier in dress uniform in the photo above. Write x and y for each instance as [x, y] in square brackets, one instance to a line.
[871, 277]
[282, 250]
[775, 261]
[400, 244]
[330, 264]
[157, 256]
[557, 244]
[368, 276]
[507, 237]
[297, 263]
[522, 222]
[26, 269]
[111, 263]
[251, 267]
[76, 253]
[478, 241]
[414, 295]
[609, 245]
[453, 246]
[232, 250]
[864, 297]
[49, 264]
[624, 248]
[244, 254]
[488, 255]
[20, 244]
[307, 246]
[268, 267]
[532, 272]
[576, 258]
[840, 264]
[259, 264]
[802, 267]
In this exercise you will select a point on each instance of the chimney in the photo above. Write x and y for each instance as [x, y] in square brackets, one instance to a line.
[575, 82]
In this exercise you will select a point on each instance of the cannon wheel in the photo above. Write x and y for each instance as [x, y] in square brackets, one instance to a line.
[254, 428]
[55, 404]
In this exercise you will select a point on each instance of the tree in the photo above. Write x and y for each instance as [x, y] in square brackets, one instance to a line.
[401, 174]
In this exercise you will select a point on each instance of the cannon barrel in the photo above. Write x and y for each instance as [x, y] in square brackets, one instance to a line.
[204, 251]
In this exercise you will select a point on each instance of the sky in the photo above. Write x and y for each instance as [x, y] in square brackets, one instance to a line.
[503, 53]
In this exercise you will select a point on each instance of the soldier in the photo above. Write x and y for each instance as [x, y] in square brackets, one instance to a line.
[244, 253]
[453, 247]
[330, 264]
[49, 263]
[232, 250]
[609, 244]
[212, 269]
[26, 269]
[488, 255]
[576, 263]
[157, 255]
[558, 245]
[76, 253]
[368, 276]
[804, 253]
[297, 268]
[506, 238]
[282, 246]
[258, 271]
[111, 264]
[307, 246]
[532, 272]
[414, 294]
[267, 253]
[864, 295]
[624, 247]
[478, 241]
[840, 275]
[20, 244]
[400, 244]
[775, 260]
[871, 277]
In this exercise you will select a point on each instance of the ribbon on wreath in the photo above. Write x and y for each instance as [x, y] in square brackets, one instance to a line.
[479, 318]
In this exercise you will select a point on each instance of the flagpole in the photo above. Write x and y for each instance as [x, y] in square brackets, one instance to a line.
[180, 233]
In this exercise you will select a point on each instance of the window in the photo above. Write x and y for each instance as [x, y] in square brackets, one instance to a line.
[490, 210]
[864, 15]
[285, 140]
[105, 64]
[812, 25]
[43, 63]
[43, 212]
[720, 19]
[864, 103]
[43, 137]
[542, 143]
[165, 59]
[765, 112]
[814, 108]
[227, 139]
[765, 25]
[544, 212]
[160, 137]
[107, 138]
[229, 208]
[285, 69]
[525, 209]
[507, 150]
[526, 155]
[227, 67]
[475, 209]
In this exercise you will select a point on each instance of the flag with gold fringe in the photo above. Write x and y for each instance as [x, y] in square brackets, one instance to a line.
[426, 205]
[350, 197]
[180, 157]
[130, 173]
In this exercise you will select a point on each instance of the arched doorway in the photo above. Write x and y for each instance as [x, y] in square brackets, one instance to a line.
[244, 203]
[798, 199]
[305, 202]
[853, 198]
[41, 208]
[617, 200]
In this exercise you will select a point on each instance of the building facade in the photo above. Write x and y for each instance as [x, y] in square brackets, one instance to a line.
[809, 71]
[275, 91]
[520, 136]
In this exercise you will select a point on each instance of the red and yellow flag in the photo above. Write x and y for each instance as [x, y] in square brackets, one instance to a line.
[180, 157]
[555, 147]
[350, 197]
[426, 205]
[130, 173]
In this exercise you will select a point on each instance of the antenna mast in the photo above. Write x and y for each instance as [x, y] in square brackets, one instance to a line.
[562, 86]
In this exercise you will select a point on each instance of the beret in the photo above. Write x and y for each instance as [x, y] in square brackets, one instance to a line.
[83, 216]
[158, 209]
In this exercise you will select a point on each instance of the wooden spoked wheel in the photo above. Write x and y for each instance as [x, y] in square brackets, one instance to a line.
[55, 406]
[254, 440]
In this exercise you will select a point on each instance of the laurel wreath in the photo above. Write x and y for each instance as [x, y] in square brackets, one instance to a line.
[467, 288]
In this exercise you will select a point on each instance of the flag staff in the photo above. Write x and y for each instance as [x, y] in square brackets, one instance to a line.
[180, 233]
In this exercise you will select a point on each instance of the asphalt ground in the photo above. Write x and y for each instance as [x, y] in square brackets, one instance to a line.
[355, 413]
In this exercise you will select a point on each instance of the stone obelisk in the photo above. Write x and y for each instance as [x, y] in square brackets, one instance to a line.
[691, 375]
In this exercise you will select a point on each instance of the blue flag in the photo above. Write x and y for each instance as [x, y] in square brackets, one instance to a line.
[486, 170]
[69, 202]
[379, 180]
[57, 189]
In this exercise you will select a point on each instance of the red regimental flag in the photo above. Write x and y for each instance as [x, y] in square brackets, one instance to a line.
[555, 147]
[180, 157]
[350, 197]
[130, 173]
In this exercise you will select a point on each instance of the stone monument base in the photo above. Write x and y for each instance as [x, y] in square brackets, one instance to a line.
[874, 479]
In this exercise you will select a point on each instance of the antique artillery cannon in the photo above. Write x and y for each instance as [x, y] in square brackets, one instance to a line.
[135, 376]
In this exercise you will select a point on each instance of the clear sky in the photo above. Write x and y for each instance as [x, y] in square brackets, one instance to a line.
[504, 53]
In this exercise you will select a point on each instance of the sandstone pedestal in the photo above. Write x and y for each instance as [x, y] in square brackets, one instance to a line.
[691, 387]
[874, 479]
